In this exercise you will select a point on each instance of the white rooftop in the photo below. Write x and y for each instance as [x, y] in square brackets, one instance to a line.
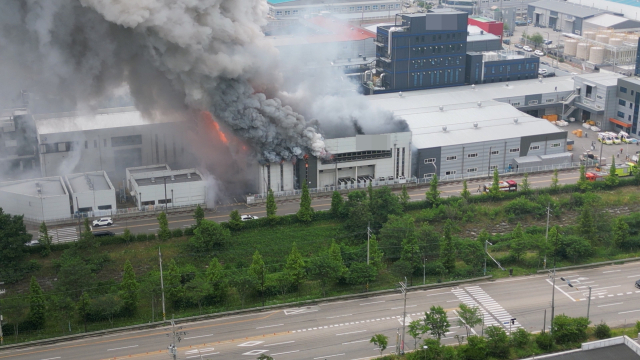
[50, 186]
[607, 20]
[110, 118]
[87, 182]
[495, 121]
[606, 78]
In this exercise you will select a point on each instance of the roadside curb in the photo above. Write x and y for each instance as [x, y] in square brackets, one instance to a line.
[160, 324]
[593, 265]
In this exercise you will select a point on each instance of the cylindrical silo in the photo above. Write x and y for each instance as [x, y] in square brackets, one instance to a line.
[615, 42]
[570, 47]
[632, 38]
[582, 52]
[590, 35]
[596, 55]
[602, 38]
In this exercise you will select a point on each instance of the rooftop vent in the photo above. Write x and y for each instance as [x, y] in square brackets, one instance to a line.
[515, 121]
[473, 87]
[475, 125]
[400, 94]
[444, 129]
[189, 176]
[173, 178]
[479, 103]
[153, 179]
[441, 108]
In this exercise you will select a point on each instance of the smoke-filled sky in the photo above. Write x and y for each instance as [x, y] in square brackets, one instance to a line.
[175, 55]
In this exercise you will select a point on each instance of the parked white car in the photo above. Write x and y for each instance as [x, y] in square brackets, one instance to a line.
[538, 53]
[102, 222]
[247, 217]
[542, 71]
[527, 48]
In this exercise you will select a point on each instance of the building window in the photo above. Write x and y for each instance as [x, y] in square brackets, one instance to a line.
[95, 144]
[450, 172]
[515, 103]
[375, 7]
[367, 8]
[352, 8]
[631, 92]
[86, 144]
[359, 8]
[622, 102]
[495, 152]
[599, 97]
[472, 170]
[451, 158]
[623, 89]
[287, 12]
[493, 167]
[534, 147]
[533, 102]
[430, 161]
[397, 6]
[383, 7]
[621, 114]
[549, 100]
[514, 150]
[295, 12]
[555, 145]
[428, 176]
[630, 105]
[279, 13]
[472, 155]
[126, 140]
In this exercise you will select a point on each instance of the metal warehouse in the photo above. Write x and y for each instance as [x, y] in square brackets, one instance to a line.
[92, 192]
[170, 188]
[37, 199]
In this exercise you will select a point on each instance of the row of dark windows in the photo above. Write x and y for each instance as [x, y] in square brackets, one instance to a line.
[436, 49]
[439, 77]
[421, 39]
[436, 62]
[358, 155]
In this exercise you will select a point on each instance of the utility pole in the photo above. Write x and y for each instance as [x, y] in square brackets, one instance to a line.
[403, 288]
[368, 242]
[165, 194]
[2, 291]
[164, 317]
[588, 307]
[553, 295]
[485, 257]
[546, 237]
[424, 270]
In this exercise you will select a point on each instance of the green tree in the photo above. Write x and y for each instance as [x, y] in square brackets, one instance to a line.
[583, 183]
[264, 357]
[381, 341]
[415, 330]
[217, 281]
[336, 255]
[37, 306]
[45, 240]
[325, 269]
[469, 316]
[129, 289]
[198, 215]
[498, 342]
[86, 238]
[476, 348]
[375, 254]
[235, 222]
[612, 179]
[551, 242]
[569, 330]
[447, 249]
[126, 236]
[295, 269]
[586, 224]
[360, 273]
[357, 211]
[465, 191]
[305, 214]
[244, 282]
[74, 274]
[337, 204]
[494, 190]
[411, 254]
[404, 197]
[393, 233]
[537, 39]
[271, 205]
[525, 186]
[259, 271]
[636, 176]
[197, 290]
[83, 308]
[577, 248]
[620, 232]
[384, 204]
[473, 254]
[602, 331]
[164, 233]
[517, 246]
[173, 284]
[554, 180]
[208, 236]
[436, 320]
[106, 306]
[433, 195]
[520, 338]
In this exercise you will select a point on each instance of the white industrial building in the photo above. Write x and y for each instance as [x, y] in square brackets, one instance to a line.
[111, 140]
[37, 199]
[92, 192]
[171, 187]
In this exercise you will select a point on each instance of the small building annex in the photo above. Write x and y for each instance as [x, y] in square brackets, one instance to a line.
[37, 199]
[167, 187]
[92, 192]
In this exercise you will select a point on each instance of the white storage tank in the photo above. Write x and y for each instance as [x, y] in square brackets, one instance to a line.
[570, 47]
[632, 38]
[602, 38]
[596, 55]
[590, 35]
[615, 42]
[582, 52]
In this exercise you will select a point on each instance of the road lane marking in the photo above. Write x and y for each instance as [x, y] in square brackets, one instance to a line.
[337, 316]
[448, 292]
[375, 302]
[201, 355]
[624, 312]
[126, 347]
[255, 352]
[286, 352]
[268, 326]
[609, 304]
[52, 358]
[196, 337]
[562, 291]
[357, 341]
[604, 272]
[251, 343]
[282, 343]
[402, 307]
[353, 332]
[196, 351]
[633, 276]
[328, 356]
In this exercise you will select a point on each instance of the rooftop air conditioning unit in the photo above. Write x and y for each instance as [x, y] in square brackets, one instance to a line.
[475, 125]
[515, 121]
[153, 179]
[441, 108]
[444, 129]
[173, 178]
[479, 103]
[189, 176]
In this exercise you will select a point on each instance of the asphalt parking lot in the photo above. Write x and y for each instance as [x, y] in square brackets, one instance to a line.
[584, 144]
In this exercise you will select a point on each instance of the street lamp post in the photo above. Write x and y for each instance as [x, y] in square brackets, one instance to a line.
[589, 303]
[546, 237]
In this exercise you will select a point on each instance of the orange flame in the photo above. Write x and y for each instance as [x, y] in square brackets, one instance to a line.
[208, 116]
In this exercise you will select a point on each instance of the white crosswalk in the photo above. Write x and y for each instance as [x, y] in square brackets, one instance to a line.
[492, 307]
[469, 301]
[66, 234]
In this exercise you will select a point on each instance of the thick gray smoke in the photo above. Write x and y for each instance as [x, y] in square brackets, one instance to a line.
[204, 54]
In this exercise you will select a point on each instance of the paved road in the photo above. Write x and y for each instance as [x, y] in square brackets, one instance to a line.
[342, 330]
[150, 225]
